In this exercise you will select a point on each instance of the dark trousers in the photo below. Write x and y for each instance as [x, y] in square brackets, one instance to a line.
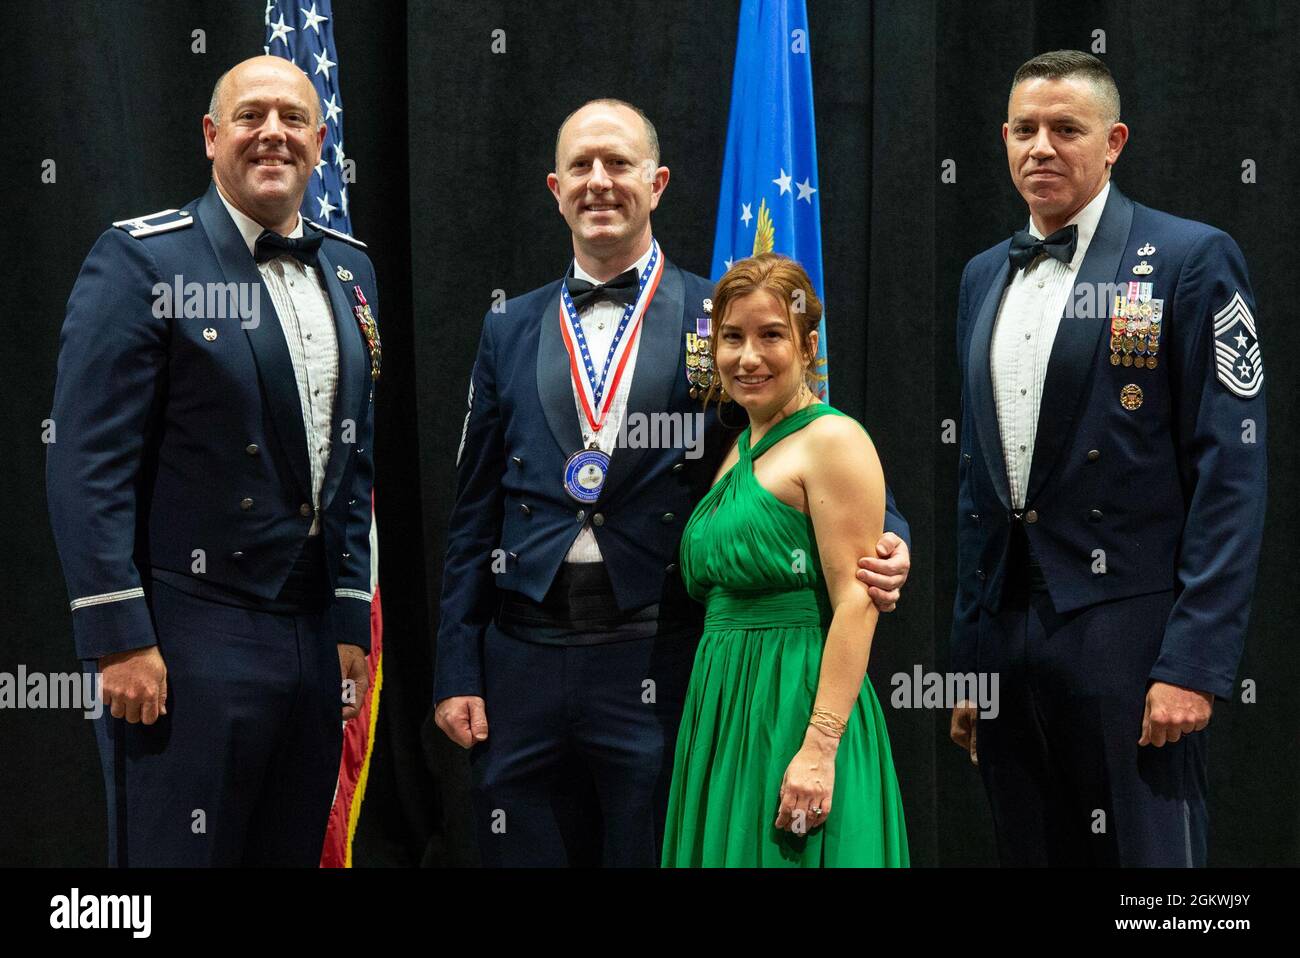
[1066, 779]
[241, 770]
[581, 733]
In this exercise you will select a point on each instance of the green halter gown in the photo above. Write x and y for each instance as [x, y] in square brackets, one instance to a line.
[753, 561]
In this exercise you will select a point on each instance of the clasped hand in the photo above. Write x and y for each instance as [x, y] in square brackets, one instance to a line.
[1172, 712]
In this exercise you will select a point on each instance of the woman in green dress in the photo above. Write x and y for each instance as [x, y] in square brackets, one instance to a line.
[782, 757]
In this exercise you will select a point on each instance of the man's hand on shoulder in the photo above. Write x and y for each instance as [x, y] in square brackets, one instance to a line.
[355, 674]
[463, 718]
[886, 571]
[1172, 712]
[135, 684]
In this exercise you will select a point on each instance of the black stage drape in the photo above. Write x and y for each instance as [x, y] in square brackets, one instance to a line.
[453, 139]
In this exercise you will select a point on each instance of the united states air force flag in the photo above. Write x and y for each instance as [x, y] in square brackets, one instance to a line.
[303, 31]
[768, 201]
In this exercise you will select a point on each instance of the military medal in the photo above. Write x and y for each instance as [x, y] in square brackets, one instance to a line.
[584, 473]
[1135, 327]
[1149, 314]
[693, 363]
[699, 358]
[1117, 326]
[1130, 397]
[369, 330]
[586, 469]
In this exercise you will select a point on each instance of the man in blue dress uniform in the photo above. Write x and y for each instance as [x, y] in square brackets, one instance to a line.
[210, 494]
[1112, 487]
[564, 620]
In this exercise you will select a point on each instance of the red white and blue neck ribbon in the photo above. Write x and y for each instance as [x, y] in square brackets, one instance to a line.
[596, 393]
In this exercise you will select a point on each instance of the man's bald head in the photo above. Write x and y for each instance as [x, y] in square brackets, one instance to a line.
[651, 144]
[263, 64]
[264, 137]
[607, 182]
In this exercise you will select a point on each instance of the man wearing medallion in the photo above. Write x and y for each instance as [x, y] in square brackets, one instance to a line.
[1111, 493]
[566, 637]
[210, 494]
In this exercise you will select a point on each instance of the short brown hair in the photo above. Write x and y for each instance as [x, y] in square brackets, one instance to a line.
[788, 281]
[651, 134]
[214, 104]
[1059, 64]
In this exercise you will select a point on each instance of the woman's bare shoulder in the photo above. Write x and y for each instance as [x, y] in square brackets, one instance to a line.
[830, 433]
[837, 450]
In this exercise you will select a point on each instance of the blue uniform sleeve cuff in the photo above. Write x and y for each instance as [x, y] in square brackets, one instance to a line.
[110, 623]
[1190, 676]
[348, 619]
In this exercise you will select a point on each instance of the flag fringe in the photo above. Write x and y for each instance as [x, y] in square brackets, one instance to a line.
[354, 813]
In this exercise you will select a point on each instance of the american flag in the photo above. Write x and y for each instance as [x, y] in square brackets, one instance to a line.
[305, 35]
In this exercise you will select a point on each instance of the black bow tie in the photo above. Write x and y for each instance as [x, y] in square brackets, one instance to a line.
[1025, 247]
[271, 244]
[622, 289]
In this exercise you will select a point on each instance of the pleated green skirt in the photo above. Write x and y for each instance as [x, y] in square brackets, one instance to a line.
[747, 709]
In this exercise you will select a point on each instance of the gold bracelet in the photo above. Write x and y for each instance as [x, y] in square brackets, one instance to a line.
[829, 728]
[829, 722]
[820, 712]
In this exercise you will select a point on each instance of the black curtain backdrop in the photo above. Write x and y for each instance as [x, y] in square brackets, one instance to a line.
[453, 142]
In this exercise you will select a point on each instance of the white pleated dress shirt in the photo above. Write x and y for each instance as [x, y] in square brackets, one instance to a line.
[599, 322]
[1023, 333]
[303, 308]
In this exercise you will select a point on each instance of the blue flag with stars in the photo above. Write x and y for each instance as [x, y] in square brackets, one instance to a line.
[305, 35]
[768, 201]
